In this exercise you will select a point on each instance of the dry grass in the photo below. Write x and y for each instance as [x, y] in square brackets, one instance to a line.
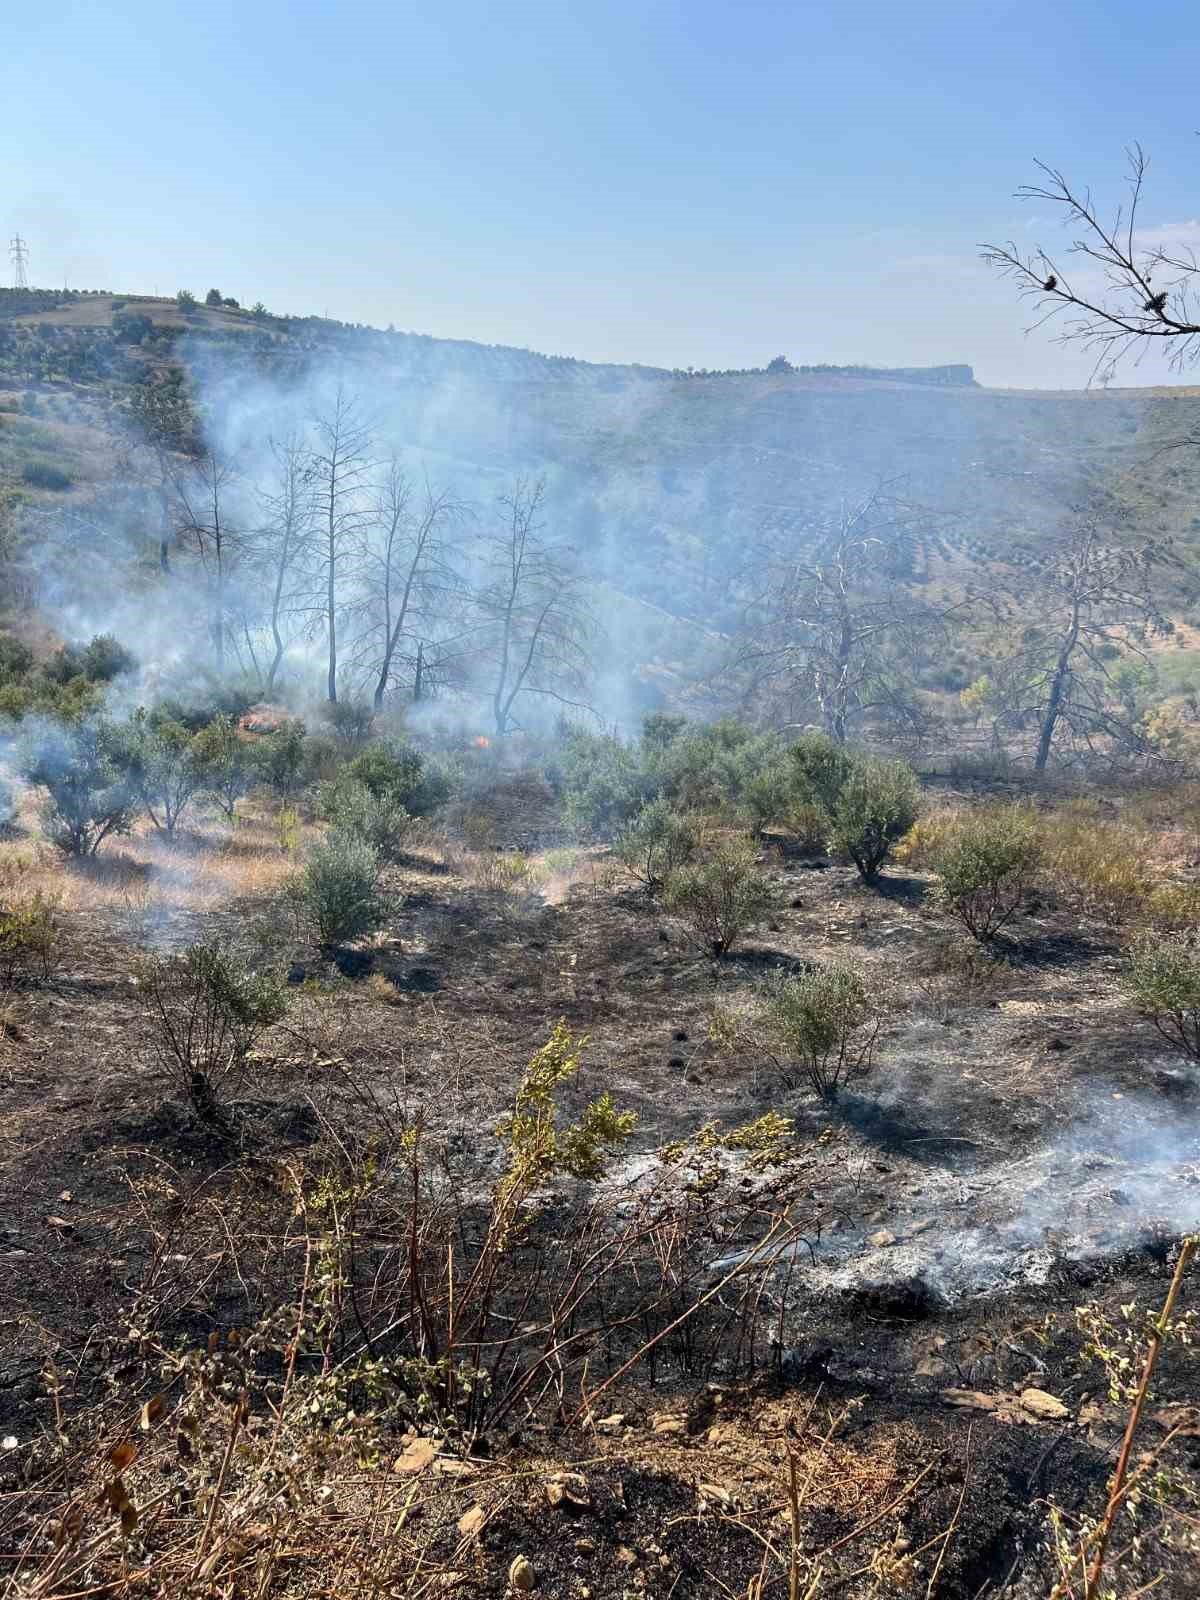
[199, 870]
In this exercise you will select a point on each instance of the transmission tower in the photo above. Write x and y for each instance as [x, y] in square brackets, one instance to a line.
[19, 251]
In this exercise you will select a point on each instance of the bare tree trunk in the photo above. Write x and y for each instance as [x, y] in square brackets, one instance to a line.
[1054, 705]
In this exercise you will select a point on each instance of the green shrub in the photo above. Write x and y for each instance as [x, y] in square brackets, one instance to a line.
[720, 897]
[29, 937]
[876, 807]
[223, 758]
[400, 774]
[604, 784]
[1163, 982]
[336, 890]
[164, 769]
[279, 758]
[41, 474]
[656, 843]
[101, 661]
[987, 866]
[708, 768]
[764, 791]
[821, 767]
[824, 1021]
[89, 794]
[206, 1011]
[379, 821]
[16, 658]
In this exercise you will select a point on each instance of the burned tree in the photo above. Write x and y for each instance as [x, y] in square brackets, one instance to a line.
[412, 582]
[838, 609]
[283, 546]
[339, 465]
[207, 524]
[536, 622]
[1130, 291]
[1081, 609]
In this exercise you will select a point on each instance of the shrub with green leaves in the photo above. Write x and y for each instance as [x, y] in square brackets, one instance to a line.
[395, 771]
[825, 1023]
[720, 897]
[29, 938]
[378, 820]
[89, 793]
[336, 891]
[224, 760]
[876, 807]
[656, 843]
[279, 758]
[765, 792]
[987, 864]
[206, 1010]
[161, 759]
[605, 784]
[820, 768]
[1163, 982]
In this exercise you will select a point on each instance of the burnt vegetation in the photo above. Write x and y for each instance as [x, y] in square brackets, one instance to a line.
[497, 1096]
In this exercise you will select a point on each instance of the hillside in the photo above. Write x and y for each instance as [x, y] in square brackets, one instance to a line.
[663, 480]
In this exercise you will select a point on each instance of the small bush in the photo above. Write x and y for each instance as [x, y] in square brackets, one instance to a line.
[29, 938]
[656, 843]
[824, 1021]
[876, 808]
[279, 758]
[820, 769]
[766, 794]
[336, 890]
[500, 872]
[1163, 982]
[1171, 908]
[224, 761]
[604, 784]
[161, 759]
[89, 795]
[41, 474]
[809, 826]
[207, 1011]
[401, 774]
[379, 821]
[721, 897]
[987, 867]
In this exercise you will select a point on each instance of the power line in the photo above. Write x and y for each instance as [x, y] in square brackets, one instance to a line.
[19, 251]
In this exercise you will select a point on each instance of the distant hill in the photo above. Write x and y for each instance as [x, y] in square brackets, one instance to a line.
[663, 479]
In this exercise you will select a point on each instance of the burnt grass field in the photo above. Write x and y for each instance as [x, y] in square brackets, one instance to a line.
[887, 1399]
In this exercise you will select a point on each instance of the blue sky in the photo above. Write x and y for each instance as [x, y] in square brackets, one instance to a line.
[705, 183]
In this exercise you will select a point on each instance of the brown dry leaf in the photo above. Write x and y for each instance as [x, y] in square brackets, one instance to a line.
[970, 1399]
[452, 1467]
[568, 1488]
[612, 1424]
[420, 1454]
[520, 1574]
[122, 1456]
[470, 1524]
[153, 1412]
[59, 1222]
[662, 1423]
[1046, 1407]
[714, 1493]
